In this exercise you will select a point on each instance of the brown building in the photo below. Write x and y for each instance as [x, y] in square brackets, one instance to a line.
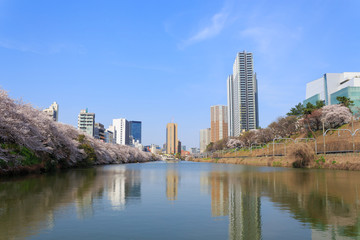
[219, 122]
[171, 138]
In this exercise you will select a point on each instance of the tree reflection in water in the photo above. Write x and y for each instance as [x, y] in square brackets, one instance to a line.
[28, 205]
[327, 200]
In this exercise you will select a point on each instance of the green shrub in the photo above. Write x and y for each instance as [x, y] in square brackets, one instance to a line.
[81, 138]
[29, 157]
[90, 155]
[277, 164]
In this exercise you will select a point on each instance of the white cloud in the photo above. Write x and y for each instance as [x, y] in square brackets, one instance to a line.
[215, 26]
[273, 39]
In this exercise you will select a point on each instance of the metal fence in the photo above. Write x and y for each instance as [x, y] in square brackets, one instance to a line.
[333, 141]
[338, 141]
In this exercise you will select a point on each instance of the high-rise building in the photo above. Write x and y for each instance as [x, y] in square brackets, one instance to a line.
[99, 131]
[333, 85]
[179, 147]
[242, 95]
[53, 111]
[120, 128]
[86, 122]
[135, 131]
[205, 138]
[171, 138]
[219, 123]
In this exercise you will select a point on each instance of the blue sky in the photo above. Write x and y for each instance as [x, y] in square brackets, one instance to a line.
[155, 61]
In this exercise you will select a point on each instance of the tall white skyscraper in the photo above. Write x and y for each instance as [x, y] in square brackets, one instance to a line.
[120, 129]
[243, 113]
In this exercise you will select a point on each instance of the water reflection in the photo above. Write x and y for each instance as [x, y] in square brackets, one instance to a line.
[172, 182]
[123, 187]
[325, 203]
[327, 200]
[29, 205]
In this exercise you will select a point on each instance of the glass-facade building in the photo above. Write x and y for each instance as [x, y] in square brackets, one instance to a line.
[135, 130]
[350, 92]
[333, 85]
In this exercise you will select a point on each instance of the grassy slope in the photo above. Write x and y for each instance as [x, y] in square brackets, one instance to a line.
[335, 141]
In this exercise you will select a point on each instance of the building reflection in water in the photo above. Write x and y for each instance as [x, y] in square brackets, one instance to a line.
[328, 201]
[172, 182]
[219, 194]
[123, 187]
[229, 198]
[244, 213]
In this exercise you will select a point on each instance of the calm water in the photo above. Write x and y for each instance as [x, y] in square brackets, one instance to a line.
[182, 201]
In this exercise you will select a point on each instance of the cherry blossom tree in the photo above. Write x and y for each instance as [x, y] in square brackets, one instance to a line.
[23, 126]
[334, 116]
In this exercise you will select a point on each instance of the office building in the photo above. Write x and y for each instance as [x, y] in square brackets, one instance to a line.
[135, 131]
[171, 138]
[219, 123]
[333, 85]
[53, 111]
[179, 147]
[86, 122]
[205, 138]
[242, 93]
[99, 131]
[109, 136]
[120, 128]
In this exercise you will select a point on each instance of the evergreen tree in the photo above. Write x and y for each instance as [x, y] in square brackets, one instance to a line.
[345, 101]
[296, 111]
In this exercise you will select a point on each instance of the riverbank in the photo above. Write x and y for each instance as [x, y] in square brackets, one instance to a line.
[348, 161]
[31, 142]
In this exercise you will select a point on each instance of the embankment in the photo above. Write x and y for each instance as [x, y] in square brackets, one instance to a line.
[348, 161]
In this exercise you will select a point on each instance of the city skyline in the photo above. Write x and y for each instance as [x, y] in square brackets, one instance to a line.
[125, 59]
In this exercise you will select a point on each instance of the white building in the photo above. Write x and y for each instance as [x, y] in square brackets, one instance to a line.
[86, 122]
[243, 112]
[205, 136]
[120, 128]
[332, 85]
[138, 145]
[155, 149]
[53, 111]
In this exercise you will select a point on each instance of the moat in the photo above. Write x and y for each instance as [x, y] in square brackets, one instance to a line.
[182, 201]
